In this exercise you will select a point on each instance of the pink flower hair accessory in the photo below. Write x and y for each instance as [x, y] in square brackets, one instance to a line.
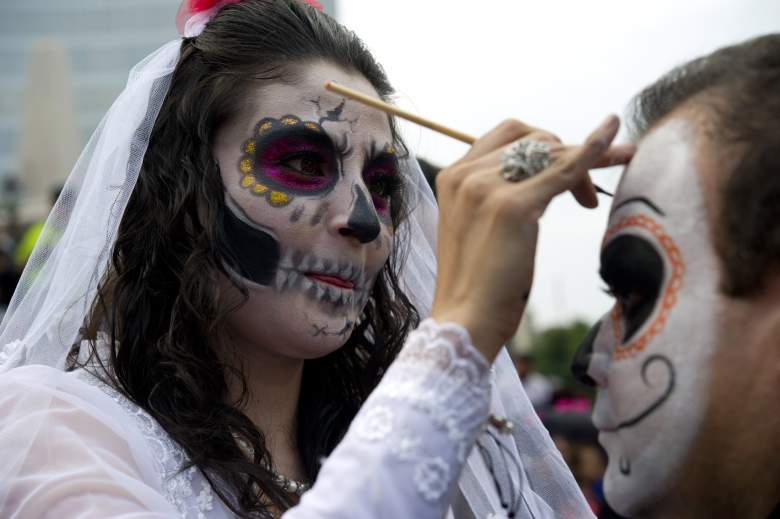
[193, 15]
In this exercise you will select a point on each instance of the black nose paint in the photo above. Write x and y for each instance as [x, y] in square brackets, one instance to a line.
[256, 252]
[581, 360]
[363, 222]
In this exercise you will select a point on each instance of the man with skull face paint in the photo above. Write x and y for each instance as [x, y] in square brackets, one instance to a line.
[686, 363]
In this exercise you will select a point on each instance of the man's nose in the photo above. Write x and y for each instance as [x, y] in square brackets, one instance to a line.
[583, 355]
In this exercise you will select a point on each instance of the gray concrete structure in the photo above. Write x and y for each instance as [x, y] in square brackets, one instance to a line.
[101, 39]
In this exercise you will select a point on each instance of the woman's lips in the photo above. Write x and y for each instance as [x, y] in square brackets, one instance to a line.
[331, 280]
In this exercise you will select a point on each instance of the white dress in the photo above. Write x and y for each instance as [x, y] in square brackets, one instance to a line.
[93, 453]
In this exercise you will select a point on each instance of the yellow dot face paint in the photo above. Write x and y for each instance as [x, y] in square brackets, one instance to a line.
[245, 166]
[278, 199]
[286, 158]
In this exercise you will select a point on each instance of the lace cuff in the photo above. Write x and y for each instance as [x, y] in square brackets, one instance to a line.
[440, 373]
[430, 407]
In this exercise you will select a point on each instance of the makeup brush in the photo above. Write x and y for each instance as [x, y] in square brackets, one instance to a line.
[409, 116]
[403, 114]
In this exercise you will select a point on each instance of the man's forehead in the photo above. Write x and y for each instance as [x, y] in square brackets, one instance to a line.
[664, 166]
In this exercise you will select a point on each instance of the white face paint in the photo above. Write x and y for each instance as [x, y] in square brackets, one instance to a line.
[307, 178]
[650, 354]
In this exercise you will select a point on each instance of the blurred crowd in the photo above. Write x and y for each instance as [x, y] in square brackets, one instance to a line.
[565, 413]
[17, 241]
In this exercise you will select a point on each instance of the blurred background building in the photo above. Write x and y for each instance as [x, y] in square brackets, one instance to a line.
[63, 63]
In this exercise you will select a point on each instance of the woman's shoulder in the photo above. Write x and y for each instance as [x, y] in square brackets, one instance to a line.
[42, 384]
[86, 392]
[60, 399]
[43, 407]
[76, 404]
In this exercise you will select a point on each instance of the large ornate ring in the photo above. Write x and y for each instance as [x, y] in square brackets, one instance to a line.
[524, 159]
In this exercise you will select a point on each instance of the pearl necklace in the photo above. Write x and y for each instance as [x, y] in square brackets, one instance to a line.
[288, 484]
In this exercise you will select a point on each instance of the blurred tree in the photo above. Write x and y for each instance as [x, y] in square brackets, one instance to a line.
[554, 347]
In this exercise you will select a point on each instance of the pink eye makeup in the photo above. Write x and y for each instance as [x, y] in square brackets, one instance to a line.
[288, 157]
[383, 181]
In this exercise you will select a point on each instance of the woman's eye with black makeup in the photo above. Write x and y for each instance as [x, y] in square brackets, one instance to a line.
[633, 270]
[307, 164]
[384, 185]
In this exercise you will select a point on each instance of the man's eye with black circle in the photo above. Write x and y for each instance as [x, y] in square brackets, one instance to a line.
[633, 270]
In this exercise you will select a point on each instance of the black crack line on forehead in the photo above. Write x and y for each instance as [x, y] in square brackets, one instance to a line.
[333, 115]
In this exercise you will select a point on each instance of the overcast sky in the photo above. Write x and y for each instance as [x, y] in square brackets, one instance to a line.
[561, 65]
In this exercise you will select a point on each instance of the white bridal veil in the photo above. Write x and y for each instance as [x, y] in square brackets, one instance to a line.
[522, 468]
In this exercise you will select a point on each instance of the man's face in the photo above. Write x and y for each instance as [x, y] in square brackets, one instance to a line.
[309, 183]
[650, 353]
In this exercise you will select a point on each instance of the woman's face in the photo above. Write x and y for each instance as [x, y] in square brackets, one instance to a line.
[309, 180]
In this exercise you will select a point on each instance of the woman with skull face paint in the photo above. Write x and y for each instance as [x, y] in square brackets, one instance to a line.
[242, 257]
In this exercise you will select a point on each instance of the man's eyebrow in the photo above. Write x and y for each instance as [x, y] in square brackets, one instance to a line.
[641, 200]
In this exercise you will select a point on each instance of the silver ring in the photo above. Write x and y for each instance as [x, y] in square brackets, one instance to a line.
[524, 159]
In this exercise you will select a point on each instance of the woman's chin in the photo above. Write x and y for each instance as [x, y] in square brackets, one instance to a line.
[294, 325]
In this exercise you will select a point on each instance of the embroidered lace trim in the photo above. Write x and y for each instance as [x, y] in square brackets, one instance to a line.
[169, 457]
[440, 374]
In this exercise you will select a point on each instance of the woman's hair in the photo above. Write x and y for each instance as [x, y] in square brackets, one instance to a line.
[160, 303]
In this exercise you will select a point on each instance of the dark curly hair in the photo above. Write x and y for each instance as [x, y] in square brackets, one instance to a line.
[737, 88]
[160, 302]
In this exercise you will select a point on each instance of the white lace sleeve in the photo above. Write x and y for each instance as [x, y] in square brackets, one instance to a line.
[404, 451]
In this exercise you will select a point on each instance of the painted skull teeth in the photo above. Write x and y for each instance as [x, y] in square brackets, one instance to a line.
[347, 272]
[290, 278]
[302, 262]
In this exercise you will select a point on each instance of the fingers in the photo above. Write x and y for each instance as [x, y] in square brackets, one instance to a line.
[508, 131]
[569, 171]
[585, 193]
[616, 155]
